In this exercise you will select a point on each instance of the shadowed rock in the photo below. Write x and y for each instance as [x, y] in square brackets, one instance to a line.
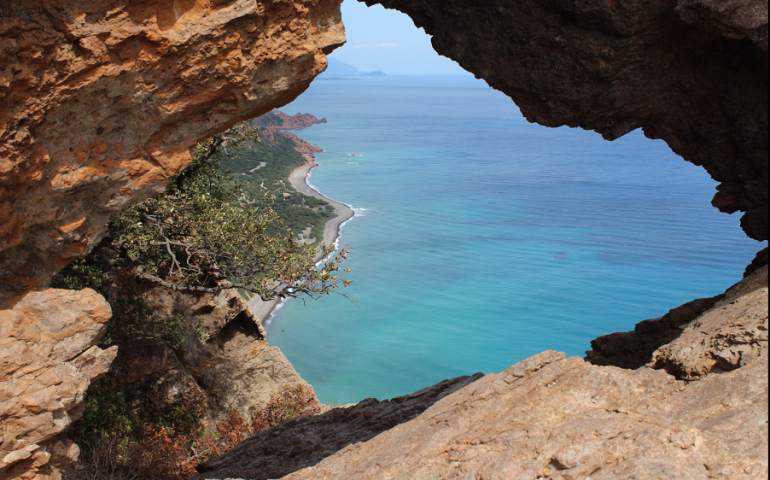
[690, 72]
[304, 442]
[634, 349]
[640, 347]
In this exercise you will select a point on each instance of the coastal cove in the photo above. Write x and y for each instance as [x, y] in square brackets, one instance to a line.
[502, 239]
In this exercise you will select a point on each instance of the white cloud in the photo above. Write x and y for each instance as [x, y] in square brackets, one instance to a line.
[387, 45]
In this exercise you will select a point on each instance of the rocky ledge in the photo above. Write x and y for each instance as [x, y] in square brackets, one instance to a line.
[303, 442]
[696, 410]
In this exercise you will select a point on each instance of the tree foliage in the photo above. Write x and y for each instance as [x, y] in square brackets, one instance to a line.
[197, 237]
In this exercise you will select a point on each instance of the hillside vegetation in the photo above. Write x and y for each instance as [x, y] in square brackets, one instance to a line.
[264, 167]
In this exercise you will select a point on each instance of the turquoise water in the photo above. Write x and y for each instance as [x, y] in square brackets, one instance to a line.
[482, 239]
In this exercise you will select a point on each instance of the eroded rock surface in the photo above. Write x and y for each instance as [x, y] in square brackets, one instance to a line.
[564, 418]
[101, 101]
[48, 357]
[634, 349]
[303, 442]
[729, 336]
[690, 72]
[666, 341]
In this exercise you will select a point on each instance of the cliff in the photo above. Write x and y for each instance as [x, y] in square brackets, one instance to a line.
[276, 122]
[100, 102]
[300, 120]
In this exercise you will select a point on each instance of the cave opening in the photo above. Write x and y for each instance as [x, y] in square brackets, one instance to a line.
[481, 238]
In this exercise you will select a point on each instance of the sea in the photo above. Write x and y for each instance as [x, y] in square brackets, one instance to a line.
[481, 239]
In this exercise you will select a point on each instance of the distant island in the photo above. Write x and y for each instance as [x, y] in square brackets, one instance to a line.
[338, 68]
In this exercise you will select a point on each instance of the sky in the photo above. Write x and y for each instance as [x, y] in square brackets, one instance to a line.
[387, 40]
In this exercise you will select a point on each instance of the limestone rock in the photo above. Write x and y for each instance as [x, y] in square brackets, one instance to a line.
[242, 383]
[48, 358]
[673, 341]
[228, 359]
[233, 363]
[152, 379]
[733, 334]
[101, 101]
[305, 441]
[634, 349]
[690, 72]
[572, 420]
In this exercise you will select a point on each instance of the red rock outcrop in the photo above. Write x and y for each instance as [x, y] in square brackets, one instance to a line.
[300, 120]
[276, 124]
[690, 72]
[101, 101]
[48, 357]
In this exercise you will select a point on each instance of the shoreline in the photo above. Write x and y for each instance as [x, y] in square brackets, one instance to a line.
[298, 178]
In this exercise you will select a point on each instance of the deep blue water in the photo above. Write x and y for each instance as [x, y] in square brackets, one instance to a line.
[483, 239]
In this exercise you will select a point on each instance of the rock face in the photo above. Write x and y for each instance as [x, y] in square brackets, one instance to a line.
[564, 418]
[101, 101]
[231, 362]
[712, 344]
[303, 442]
[634, 349]
[48, 358]
[690, 72]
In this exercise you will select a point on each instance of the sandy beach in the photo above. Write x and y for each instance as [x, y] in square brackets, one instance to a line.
[342, 212]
